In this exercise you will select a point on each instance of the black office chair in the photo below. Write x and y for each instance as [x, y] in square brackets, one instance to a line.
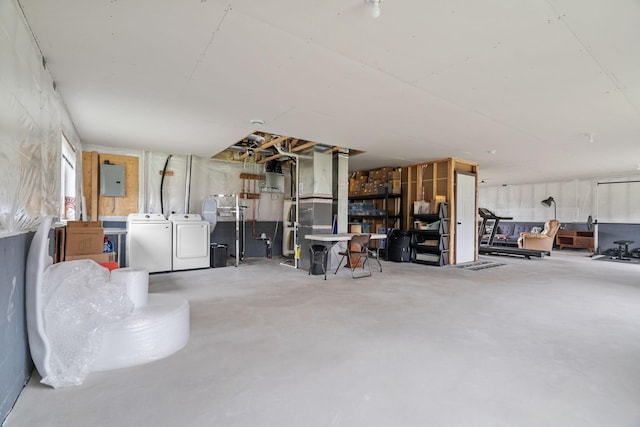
[357, 254]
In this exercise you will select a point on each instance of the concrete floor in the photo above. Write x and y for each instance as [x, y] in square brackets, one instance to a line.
[553, 342]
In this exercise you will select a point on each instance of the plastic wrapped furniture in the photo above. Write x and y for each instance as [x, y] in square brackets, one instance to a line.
[146, 331]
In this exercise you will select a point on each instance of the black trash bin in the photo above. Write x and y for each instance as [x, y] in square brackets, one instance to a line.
[318, 256]
[218, 255]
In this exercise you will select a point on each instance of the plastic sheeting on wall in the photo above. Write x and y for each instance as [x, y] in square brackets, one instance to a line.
[618, 200]
[208, 177]
[32, 117]
[574, 200]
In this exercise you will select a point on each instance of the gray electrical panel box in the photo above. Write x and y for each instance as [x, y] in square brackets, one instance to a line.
[112, 180]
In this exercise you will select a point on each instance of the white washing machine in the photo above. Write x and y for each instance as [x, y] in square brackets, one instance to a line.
[190, 241]
[149, 238]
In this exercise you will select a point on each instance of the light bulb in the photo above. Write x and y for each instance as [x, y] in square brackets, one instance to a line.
[375, 9]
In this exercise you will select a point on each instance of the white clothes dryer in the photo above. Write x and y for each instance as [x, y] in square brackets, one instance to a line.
[149, 238]
[191, 239]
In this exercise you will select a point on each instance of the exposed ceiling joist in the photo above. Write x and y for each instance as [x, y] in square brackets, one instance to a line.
[268, 159]
[302, 147]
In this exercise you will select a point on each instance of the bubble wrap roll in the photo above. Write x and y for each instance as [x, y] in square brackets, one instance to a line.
[135, 282]
[152, 332]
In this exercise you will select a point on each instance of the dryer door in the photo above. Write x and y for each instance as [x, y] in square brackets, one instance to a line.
[191, 240]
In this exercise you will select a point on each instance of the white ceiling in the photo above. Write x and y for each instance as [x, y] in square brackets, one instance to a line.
[427, 80]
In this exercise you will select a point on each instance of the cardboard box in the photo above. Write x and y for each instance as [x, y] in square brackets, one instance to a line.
[84, 224]
[84, 241]
[394, 175]
[435, 203]
[374, 175]
[99, 258]
[59, 245]
[394, 186]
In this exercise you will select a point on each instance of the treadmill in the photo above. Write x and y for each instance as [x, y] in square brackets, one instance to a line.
[489, 248]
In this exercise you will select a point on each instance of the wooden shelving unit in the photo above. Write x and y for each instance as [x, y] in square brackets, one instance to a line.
[434, 183]
[382, 202]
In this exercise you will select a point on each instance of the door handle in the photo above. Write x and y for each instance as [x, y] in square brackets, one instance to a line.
[459, 223]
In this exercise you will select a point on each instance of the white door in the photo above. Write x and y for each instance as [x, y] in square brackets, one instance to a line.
[465, 218]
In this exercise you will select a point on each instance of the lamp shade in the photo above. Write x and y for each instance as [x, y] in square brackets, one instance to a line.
[547, 202]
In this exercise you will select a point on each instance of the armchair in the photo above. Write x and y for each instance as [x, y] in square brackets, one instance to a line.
[540, 241]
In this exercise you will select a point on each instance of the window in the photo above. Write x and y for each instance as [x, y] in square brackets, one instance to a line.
[68, 180]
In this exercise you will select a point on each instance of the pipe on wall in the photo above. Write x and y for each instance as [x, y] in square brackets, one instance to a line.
[164, 173]
[187, 183]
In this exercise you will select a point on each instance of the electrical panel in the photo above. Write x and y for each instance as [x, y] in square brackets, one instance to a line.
[112, 180]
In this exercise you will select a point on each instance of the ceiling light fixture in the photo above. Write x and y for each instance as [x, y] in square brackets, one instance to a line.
[257, 122]
[591, 136]
[375, 7]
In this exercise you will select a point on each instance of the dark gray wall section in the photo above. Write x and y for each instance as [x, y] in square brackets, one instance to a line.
[15, 360]
[225, 233]
[608, 233]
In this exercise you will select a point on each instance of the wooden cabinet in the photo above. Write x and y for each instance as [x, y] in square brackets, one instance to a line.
[430, 237]
[575, 239]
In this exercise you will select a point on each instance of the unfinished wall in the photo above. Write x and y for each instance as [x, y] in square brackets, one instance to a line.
[208, 177]
[576, 199]
[101, 206]
[32, 119]
[613, 201]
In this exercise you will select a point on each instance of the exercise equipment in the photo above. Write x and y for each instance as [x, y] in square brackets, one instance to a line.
[489, 217]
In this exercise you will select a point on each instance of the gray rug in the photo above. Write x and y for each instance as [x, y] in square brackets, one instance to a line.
[480, 265]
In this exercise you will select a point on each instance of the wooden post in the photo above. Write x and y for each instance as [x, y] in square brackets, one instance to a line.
[95, 192]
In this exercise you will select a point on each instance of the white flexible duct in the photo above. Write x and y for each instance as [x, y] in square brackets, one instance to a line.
[296, 246]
